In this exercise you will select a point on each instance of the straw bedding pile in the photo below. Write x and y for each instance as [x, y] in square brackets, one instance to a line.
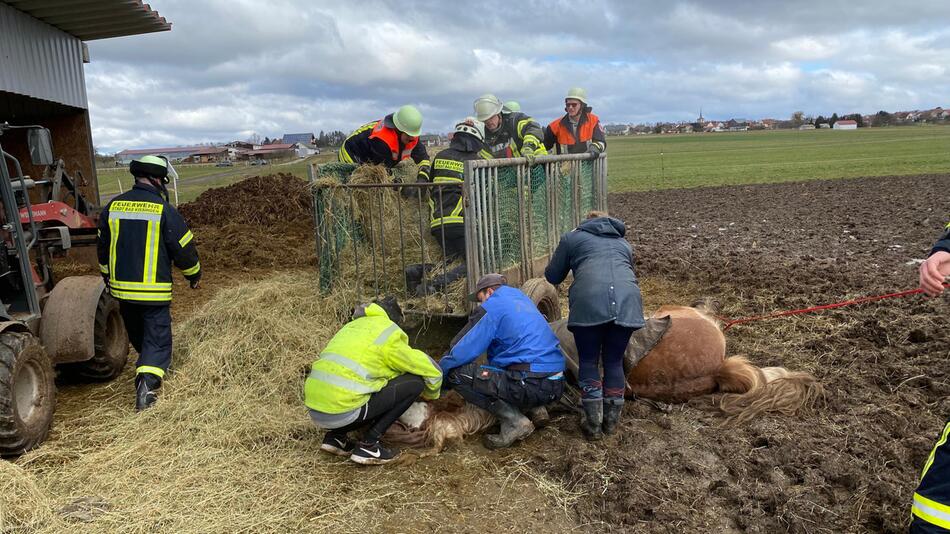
[229, 446]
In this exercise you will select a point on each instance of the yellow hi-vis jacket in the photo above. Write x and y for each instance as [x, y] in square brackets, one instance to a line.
[361, 359]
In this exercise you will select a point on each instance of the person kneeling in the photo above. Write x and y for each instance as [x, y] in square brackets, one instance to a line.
[365, 378]
[525, 368]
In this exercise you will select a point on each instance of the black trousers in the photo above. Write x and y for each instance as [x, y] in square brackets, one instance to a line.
[454, 240]
[482, 385]
[150, 332]
[384, 407]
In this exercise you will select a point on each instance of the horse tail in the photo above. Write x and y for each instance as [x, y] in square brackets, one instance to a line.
[773, 389]
[737, 375]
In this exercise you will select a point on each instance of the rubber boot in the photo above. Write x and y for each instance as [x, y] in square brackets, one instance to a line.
[514, 425]
[146, 390]
[593, 419]
[539, 416]
[613, 407]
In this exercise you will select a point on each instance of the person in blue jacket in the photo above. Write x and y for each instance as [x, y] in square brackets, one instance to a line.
[605, 309]
[525, 369]
[930, 511]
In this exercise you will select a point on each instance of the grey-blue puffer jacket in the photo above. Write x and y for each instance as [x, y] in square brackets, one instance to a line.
[605, 287]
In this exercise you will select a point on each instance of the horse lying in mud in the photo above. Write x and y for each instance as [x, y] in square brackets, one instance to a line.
[679, 355]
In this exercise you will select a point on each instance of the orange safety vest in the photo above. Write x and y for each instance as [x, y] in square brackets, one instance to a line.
[585, 130]
[391, 137]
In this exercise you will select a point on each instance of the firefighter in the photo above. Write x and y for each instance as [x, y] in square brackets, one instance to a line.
[931, 507]
[388, 141]
[512, 105]
[365, 378]
[140, 236]
[445, 203]
[579, 130]
[509, 134]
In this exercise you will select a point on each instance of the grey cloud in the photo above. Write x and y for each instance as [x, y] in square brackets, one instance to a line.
[230, 68]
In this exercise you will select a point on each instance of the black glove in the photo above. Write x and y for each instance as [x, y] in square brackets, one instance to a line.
[193, 282]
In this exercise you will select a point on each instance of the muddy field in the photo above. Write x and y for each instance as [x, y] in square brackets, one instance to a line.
[756, 249]
[769, 248]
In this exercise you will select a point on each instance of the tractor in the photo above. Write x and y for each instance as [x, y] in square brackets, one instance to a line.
[71, 325]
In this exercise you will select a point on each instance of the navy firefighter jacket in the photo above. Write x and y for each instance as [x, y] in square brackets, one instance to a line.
[140, 236]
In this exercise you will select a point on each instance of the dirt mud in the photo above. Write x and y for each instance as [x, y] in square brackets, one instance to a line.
[759, 249]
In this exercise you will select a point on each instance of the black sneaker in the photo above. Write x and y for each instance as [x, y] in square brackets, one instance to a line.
[338, 444]
[372, 454]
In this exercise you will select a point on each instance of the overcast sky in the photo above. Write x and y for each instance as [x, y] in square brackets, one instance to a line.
[231, 69]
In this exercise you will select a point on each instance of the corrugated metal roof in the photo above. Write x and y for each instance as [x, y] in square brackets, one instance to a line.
[89, 20]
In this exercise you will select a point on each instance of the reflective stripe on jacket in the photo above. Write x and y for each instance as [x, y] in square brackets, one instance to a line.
[516, 131]
[377, 143]
[932, 498]
[446, 203]
[558, 134]
[140, 235]
[361, 359]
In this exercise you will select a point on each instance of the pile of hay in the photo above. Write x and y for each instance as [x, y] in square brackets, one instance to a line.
[382, 226]
[229, 446]
[23, 506]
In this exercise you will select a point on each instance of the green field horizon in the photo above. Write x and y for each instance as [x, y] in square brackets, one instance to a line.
[651, 162]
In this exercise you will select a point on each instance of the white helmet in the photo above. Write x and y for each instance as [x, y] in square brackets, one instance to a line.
[471, 126]
[487, 106]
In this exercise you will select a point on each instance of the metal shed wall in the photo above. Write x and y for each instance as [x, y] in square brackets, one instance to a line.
[40, 61]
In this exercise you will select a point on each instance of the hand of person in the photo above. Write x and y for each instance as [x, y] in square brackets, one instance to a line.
[194, 283]
[528, 154]
[933, 272]
[593, 150]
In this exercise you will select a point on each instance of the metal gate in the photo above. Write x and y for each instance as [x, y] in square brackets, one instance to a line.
[368, 233]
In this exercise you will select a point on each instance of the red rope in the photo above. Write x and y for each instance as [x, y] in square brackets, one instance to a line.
[732, 322]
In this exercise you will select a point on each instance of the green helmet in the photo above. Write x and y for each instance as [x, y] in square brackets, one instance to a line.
[149, 167]
[408, 120]
[511, 105]
[487, 106]
[577, 93]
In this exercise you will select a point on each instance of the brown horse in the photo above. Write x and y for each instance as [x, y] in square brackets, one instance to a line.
[679, 355]
[686, 358]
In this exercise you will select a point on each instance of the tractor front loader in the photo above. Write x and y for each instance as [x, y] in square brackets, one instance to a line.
[71, 324]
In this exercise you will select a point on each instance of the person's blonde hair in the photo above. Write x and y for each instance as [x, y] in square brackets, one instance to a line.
[593, 214]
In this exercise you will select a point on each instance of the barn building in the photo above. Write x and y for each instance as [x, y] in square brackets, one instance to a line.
[42, 52]
[845, 125]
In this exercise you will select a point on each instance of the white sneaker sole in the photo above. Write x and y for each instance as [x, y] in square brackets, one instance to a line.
[362, 460]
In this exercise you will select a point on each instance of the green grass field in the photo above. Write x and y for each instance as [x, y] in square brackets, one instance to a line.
[638, 163]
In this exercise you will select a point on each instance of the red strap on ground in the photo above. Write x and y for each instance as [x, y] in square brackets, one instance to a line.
[732, 322]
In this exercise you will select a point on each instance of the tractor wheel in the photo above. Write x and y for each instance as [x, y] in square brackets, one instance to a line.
[111, 342]
[27, 393]
[544, 296]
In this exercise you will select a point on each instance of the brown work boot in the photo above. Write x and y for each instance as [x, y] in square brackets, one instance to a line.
[514, 426]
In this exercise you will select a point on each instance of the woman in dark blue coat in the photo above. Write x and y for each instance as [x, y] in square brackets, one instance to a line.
[605, 310]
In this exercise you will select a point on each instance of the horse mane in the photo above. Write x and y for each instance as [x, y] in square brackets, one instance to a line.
[444, 427]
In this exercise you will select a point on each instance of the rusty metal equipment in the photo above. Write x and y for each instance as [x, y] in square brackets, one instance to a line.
[73, 323]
